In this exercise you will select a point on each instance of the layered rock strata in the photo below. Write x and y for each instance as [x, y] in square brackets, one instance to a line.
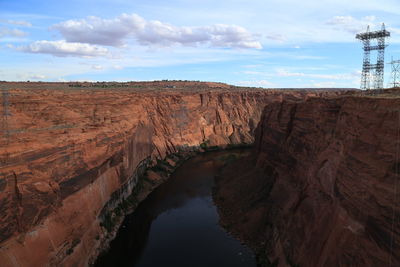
[323, 186]
[69, 155]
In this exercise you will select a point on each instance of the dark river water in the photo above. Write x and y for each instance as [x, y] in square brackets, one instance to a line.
[177, 225]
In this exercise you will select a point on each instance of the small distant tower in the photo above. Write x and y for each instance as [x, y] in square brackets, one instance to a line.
[373, 72]
[395, 77]
[6, 112]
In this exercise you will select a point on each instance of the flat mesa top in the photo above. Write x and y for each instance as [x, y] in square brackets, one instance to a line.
[373, 35]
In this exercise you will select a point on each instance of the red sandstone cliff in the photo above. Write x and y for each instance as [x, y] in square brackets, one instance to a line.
[66, 152]
[326, 190]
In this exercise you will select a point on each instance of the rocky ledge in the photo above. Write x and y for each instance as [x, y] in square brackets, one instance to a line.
[322, 188]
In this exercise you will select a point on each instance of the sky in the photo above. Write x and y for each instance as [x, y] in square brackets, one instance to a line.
[262, 43]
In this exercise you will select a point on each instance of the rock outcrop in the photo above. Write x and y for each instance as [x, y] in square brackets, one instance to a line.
[68, 153]
[323, 187]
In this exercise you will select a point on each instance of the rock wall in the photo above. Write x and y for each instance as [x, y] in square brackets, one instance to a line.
[65, 152]
[327, 188]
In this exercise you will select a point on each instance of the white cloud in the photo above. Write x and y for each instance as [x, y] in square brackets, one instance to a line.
[249, 72]
[118, 67]
[351, 24]
[252, 66]
[64, 49]
[303, 79]
[115, 32]
[340, 76]
[30, 76]
[97, 67]
[4, 31]
[394, 30]
[38, 77]
[17, 22]
[277, 37]
[259, 83]
[84, 80]
[324, 85]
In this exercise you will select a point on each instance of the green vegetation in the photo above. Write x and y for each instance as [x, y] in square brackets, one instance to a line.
[69, 251]
[75, 242]
[206, 147]
[111, 218]
[145, 178]
[161, 166]
[213, 148]
[108, 222]
[236, 146]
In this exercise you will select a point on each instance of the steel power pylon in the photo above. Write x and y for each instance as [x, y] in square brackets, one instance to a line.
[395, 77]
[6, 112]
[373, 72]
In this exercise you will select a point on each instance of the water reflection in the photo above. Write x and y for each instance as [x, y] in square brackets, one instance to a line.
[177, 225]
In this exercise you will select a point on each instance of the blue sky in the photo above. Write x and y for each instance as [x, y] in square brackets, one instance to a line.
[266, 43]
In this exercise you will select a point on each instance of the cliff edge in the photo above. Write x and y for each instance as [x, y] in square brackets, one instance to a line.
[323, 186]
[72, 152]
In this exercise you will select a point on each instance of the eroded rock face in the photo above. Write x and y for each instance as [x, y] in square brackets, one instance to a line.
[65, 152]
[325, 192]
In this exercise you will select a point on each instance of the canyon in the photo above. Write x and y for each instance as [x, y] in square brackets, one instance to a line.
[71, 154]
[321, 188]
[318, 190]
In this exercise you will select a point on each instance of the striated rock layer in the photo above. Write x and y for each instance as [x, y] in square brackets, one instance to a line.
[326, 188]
[70, 154]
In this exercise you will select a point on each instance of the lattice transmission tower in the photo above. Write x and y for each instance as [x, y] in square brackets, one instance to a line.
[373, 73]
[395, 76]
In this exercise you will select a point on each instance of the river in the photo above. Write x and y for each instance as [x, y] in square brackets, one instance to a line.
[177, 224]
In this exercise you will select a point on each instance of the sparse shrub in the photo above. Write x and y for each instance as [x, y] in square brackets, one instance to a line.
[69, 251]
[204, 145]
[108, 222]
[235, 146]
